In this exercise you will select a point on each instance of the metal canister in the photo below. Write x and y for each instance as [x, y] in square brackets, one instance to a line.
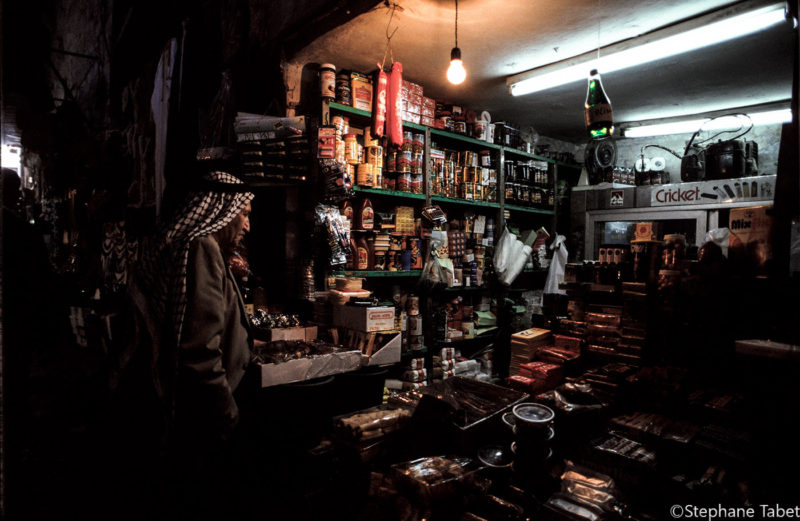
[416, 183]
[327, 81]
[344, 94]
[418, 143]
[404, 182]
[408, 141]
[364, 174]
[404, 160]
[375, 156]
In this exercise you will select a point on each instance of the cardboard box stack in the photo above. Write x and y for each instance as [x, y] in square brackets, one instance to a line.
[524, 346]
[634, 320]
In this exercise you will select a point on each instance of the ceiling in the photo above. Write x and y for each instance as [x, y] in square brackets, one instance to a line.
[499, 38]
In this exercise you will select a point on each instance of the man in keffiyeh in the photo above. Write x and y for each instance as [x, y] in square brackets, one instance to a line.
[191, 307]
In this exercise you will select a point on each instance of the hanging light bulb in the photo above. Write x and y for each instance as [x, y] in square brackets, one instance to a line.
[456, 73]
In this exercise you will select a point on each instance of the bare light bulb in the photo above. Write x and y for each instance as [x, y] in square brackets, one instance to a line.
[456, 73]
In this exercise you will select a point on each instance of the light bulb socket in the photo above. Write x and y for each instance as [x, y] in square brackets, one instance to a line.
[455, 54]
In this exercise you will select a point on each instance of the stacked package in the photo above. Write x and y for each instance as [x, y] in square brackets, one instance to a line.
[412, 103]
[566, 350]
[450, 363]
[524, 346]
[415, 376]
[536, 377]
[634, 320]
[604, 328]
[273, 147]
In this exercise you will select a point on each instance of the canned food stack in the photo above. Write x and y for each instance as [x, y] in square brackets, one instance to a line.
[416, 340]
[532, 425]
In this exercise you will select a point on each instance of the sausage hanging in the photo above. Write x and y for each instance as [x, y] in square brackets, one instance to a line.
[394, 120]
[379, 103]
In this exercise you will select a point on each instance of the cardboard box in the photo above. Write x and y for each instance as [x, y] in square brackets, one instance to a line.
[307, 333]
[369, 319]
[750, 242]
[309, 368]
[389, 353]
[361, 86]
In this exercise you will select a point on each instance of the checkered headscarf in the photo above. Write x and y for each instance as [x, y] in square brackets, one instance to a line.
[162, 274]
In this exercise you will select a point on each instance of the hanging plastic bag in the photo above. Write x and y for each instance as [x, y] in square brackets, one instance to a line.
[555, 274]
[502, 252]
[517, 260]
[720, 237]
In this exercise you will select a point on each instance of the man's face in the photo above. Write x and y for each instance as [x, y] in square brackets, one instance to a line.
[241, 223]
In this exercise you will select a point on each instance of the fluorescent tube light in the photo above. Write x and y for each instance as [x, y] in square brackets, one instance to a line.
[726, 123]
[692, 35]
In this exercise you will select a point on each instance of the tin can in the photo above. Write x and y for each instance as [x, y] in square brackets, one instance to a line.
[408, 141]
[416, 183]
[327, 81]
[364, 174]
[338, 121]
[344, 94]
[351, 149]
[404, 182]
[416, 163]
[404, 160]
[375, 156]
[389, 182]
[391, 160]
[418, 142]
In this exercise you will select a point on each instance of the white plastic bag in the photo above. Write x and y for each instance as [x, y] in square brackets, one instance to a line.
[555, 274]
[720, 237]
[502, 252]
[516, 262]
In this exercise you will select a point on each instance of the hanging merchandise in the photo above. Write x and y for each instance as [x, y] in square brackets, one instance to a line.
[379, 89]
[555, 274]
[599, 120]
[338, 183]
[394, 105]
[337, 236]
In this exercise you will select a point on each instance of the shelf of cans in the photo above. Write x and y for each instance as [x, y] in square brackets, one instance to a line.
[456, 176]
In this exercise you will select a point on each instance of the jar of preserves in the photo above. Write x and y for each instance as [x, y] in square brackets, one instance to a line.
[351, 149]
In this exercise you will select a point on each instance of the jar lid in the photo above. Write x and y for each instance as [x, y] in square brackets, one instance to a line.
[328, 66]
[533, 412]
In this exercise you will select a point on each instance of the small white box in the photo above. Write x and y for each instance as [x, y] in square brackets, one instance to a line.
[368, 319]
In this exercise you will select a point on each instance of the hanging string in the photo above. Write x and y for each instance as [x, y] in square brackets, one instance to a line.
[456, 23]
[388, 48]
[598, 34]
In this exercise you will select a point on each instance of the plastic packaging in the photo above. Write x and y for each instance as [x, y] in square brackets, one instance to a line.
[555, 274]
[338, 237]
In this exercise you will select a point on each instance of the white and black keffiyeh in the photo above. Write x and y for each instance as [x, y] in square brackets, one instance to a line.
[161, 277]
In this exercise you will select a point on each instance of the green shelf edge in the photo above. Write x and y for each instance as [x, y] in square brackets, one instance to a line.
[453, 136]
[392, 193]
[464, 139]
[528, 210]
[466, 202]
[366, 114]
[373, 274]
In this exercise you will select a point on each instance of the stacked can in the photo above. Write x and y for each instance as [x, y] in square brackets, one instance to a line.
[532, 426]
[415, 337]
[415, 376]
[489, 232]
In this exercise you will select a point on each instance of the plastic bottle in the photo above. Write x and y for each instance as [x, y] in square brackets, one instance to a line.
[367, 215]
[362, 254]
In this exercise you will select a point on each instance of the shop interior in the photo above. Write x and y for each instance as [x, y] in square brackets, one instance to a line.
[511, 294]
